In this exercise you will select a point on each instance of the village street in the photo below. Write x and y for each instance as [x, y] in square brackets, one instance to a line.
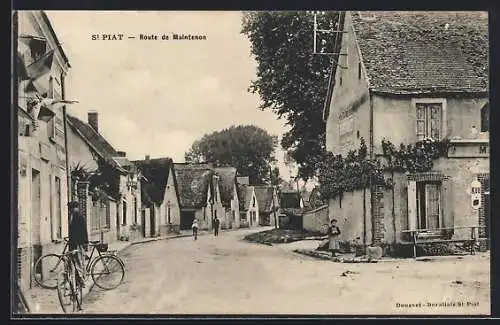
[226, 275]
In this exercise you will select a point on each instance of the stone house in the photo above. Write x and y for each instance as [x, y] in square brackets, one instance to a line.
[112, 214]
[42, 183]
[267, 198]
[160, 195]
[406, 77]
[199, 194]
[229, 197]
[249, 206]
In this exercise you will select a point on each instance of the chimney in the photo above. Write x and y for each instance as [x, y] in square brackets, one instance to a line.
[243, 180]
[121, 154]
[147, 157]
[93, 120]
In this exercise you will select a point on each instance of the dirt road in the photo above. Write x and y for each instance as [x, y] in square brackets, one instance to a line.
[225, 275]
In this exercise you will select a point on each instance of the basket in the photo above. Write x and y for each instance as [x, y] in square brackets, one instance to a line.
[102, 247]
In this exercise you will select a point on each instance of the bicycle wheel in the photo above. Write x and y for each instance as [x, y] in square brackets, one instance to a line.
[50, 266]
[107, 272]
[64, 291]
[69, 292]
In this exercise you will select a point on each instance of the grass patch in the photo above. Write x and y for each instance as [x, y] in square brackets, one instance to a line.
[279, 236]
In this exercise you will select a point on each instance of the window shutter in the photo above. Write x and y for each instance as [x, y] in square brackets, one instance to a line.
[412, 205]
[447, 205]
[420, 127]
[435, 121]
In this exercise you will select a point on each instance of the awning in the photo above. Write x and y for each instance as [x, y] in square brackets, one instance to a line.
[40, 85]
[46, 114]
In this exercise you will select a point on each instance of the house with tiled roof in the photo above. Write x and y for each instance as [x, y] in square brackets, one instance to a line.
[229, 197]
[42, 183]
[112, 202]
[407, 77]
[199, 194]
[249, 206]
[160, 196]
[267, 198]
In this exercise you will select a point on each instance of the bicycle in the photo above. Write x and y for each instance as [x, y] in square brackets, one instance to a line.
[67, 284]
[22, 303]
[50, 281]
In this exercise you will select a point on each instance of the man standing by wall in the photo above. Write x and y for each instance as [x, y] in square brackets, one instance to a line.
[78, 236]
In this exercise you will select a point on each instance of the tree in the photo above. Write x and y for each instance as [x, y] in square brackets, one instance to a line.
[291, 80]
[248, 148]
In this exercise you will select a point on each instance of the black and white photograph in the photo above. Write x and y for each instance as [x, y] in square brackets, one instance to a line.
[251, 163]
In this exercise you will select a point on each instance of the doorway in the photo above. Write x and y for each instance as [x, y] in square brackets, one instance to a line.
[187, 218]
[428, 205]
[152, 219]
[143, 222]
[118, 223]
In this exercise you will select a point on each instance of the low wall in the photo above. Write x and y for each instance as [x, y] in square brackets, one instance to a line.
[316, 220]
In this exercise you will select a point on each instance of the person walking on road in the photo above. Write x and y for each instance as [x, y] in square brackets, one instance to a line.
[194, 226]
[216, 226]
[78, 238]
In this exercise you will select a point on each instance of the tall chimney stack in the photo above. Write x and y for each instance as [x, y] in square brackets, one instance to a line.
[93, 120]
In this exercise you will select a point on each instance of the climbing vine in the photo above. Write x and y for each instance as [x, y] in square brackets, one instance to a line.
[338, 174]
[357, 171]
[413, 158]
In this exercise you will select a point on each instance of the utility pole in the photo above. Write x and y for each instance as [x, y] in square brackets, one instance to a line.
[274, 191]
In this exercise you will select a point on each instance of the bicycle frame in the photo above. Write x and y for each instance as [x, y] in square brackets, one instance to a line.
[70, 271]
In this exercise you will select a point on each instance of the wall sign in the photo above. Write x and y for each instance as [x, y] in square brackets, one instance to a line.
[475, 194]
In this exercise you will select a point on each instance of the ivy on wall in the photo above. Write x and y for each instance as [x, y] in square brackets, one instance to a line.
[357, 171]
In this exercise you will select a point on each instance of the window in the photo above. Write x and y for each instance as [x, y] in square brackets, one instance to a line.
[485, 118]
[359, 70]
[428, 205]
[168, 213]
[234, 215]
[429, 120]
[38, 48]
[253, 201]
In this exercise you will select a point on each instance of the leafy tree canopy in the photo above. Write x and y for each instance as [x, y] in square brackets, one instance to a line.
[291, 80]
[248, 148]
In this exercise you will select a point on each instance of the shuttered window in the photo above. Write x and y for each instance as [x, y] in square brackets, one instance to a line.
[427, 208]
[429, 121]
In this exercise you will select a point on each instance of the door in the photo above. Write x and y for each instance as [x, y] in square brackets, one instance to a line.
[118, 222]
[187, 218]
[36, 206]
[433, 207]
[143, 222]
[36, 209]
[152, 219]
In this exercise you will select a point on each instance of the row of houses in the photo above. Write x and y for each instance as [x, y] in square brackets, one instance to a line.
[62, 158]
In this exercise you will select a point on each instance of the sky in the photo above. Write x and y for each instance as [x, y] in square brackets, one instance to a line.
[155, 97]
